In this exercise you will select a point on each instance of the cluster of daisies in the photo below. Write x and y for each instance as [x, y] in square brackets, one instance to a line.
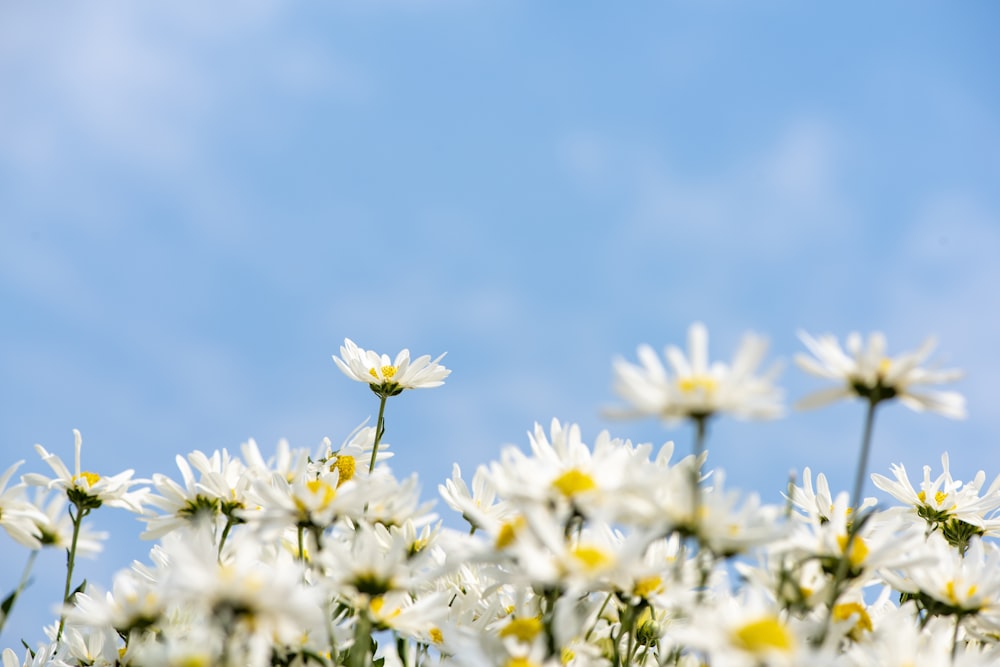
[602, 554]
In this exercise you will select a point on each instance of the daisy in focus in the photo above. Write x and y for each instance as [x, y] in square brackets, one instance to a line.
[88, 488]
[692, 387]
[865, 370]
[389, 377]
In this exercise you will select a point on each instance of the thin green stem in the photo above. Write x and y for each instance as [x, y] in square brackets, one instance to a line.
[20, 587]
[597, 619]
[866, 445]
[225, 536]
[379, 430]
[954, 638]
[70, 562]
[854, 526]
[700, 422]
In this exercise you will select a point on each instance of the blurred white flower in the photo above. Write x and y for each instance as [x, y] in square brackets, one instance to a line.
[694, 388]
[389, 377]
[54, 527]
[220, 493]
[18, 516]
[951, 583]
[865, 370]
[818, 504]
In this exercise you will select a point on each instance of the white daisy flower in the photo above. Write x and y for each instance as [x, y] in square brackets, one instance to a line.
[730, 523]
[950, 583]
[866, 371]
[944, 502]
[54, 527]
[219, 495]
[389, 377]
[88, 489]
[749, 630]
[480, 506]
[694, 388]
[565, 474]
[818, 504]
[18, 516]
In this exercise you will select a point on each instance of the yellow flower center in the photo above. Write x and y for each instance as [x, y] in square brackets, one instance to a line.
[953, 597]
[647, 585]
[91, 478]
[345, 466]
[387, 372]
[567, 655]
[508, 532]
[319, 487]
[525, 629]
[763, 635]
[193, 660]
[436, 635]
[574, 481]
[377, 604]
[591, 557]
[883, 367]
[703, 383]
[859, 550]
[520, 661]
[939, 497]
[846, 610]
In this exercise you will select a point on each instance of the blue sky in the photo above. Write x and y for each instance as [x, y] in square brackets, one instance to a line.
[197, 204]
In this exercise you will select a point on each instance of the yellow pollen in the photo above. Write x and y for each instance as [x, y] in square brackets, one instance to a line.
[574, 481]
[591, 557]
[761, 636]
[952, 597]
[377, 604]
[193, 660]
[846, 610]
[508, 532]
[520, 661]
[525, 629]
[939, 497]
[859, 550]
[567, 655]
[436, 635]
[317, 486]
[883, 367]
[345, 466]
[647, 585]
[387, 372]
[91, 477]
[703, 383]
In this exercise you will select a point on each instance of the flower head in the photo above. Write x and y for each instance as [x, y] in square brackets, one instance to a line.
[88, 489]
[693, 388]
[389, 377]
[865, 370]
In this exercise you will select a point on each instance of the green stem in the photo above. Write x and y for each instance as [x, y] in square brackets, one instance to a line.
[700, 422]
[379, 430]
[954, 638]
[225, 536]
[70, 562]
[358, 655]
[853, 527]
[866, 444]
[20, 588]
[597, 620]
[302, 551]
